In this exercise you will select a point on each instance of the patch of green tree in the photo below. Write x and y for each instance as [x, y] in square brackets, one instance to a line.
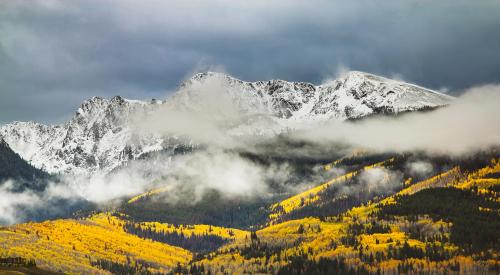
[340, 197]
[12, 166]
[302, 265]
[22, 266]
[472, 229]
[195, 243]
[213, 209]
[257, 249]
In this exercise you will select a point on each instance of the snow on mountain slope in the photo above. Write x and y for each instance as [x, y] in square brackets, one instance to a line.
[353, 96]
[99, 136]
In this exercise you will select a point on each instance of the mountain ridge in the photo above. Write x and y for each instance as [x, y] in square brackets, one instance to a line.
[99, 137]
[355, 95]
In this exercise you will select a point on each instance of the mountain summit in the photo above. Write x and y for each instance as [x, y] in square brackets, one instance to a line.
[355, 95]
[100, 135]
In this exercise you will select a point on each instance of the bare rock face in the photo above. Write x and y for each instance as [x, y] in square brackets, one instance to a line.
[99, 136]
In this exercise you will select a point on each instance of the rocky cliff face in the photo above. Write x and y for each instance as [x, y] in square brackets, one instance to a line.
[354, 96]
[99, 136]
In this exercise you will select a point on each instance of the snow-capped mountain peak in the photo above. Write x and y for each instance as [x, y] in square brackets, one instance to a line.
[355, 95]
[100, 135]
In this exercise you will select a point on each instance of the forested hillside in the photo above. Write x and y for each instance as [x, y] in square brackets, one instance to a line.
[443, 221]
[13, 167]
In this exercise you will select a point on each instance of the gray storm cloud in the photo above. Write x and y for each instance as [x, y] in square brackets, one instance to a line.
[54, 54]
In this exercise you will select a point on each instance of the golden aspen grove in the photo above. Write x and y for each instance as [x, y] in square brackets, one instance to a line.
[382, 235]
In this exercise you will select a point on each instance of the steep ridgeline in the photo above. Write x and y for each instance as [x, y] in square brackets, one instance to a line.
[99, 136]
[354, 96]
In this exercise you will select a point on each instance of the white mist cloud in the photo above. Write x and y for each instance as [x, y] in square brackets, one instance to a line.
[187, 177]
[380, 180]
[373, 182]
[420, 168]
[11, 202]
[340, 72]
[469, 123]
[226, 172]
[209, 113]
[98, 188]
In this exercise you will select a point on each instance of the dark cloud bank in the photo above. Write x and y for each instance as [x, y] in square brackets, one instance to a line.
[54, 54]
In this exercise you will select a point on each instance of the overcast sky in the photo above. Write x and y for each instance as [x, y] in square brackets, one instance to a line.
[55, 54]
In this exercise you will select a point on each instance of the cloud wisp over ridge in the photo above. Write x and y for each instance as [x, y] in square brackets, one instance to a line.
[219, 163]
